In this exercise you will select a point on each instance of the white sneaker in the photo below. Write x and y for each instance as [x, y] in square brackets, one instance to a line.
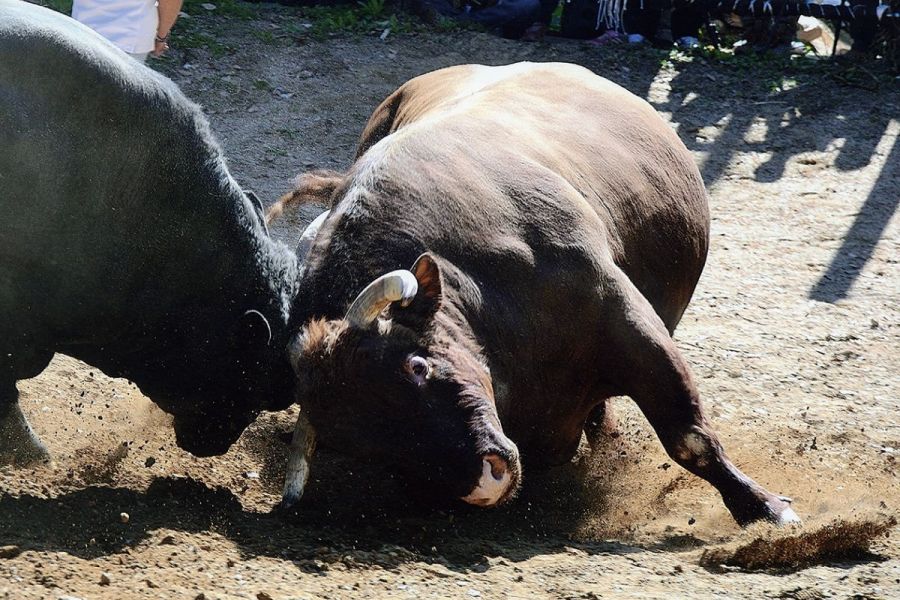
[636, 38]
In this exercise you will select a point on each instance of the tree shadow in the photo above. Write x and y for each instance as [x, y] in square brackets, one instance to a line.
[793, 110]
[781, 111]
[863, 236]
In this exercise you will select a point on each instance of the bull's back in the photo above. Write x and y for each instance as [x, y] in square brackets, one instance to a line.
[612, 172]
[91, 147]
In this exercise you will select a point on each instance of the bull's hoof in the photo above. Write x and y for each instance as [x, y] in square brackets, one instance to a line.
[787, 517]
[780, 511]
[775, 510]
[289, 502]
[286, 509]
[19, 446]
[767, 508]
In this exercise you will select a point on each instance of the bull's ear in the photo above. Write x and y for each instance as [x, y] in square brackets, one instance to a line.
[253, 330]
[420, 312]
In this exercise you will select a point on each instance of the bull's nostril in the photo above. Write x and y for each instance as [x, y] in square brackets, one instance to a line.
[498, 466]
[497, 480]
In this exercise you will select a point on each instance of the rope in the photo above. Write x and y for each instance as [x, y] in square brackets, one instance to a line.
[609, 13]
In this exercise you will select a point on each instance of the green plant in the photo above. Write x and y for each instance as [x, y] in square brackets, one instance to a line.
[266, 37]
[365, 16]
[225, 8]
[371, 9]
[63, 6]
[195, 39]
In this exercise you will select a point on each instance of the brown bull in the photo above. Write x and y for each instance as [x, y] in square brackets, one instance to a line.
[555, 227]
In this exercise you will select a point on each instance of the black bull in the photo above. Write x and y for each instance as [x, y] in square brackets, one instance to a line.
[125, 242]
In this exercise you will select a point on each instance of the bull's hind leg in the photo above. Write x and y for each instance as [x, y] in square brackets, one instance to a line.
[18, 443]
[648, 366]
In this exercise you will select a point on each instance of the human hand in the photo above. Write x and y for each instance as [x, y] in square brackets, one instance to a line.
[161, 44]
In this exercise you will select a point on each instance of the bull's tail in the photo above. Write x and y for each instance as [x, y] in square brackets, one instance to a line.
[317, 187]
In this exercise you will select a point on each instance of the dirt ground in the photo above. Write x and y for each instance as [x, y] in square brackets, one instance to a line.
[793, 336]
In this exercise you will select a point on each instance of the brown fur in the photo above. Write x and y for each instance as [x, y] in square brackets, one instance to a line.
[315, 187]
[569, 226]
[320, 336]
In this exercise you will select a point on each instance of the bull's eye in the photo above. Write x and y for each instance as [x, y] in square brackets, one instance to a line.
[417, 368]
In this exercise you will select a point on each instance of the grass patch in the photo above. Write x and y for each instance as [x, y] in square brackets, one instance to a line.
[266, 37]
[224, 8]
[190, 38]
[63, 6]
[365, 16]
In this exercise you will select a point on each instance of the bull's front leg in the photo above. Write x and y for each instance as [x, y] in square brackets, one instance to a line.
[652, 371]
[303, 444]
[18, 443]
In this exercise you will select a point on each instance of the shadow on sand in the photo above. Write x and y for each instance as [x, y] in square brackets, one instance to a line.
[373, 525]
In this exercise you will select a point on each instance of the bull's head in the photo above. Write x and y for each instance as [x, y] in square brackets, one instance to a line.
[399, 379]
[215, 390]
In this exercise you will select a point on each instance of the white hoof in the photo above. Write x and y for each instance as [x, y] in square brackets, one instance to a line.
[788, 517]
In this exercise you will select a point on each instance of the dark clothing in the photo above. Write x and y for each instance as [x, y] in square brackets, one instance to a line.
[546, 12]
[686, 20]
[510, 17]
[863, 32]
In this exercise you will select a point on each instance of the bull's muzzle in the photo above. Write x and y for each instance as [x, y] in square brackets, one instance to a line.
[498, 482]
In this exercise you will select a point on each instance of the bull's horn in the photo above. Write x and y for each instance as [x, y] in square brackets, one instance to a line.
[309, 236]
[395, 286]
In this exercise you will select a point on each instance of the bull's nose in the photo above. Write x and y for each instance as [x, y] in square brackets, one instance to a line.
[495, 484]
[499, 468]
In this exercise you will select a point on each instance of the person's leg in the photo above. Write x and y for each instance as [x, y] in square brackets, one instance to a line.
[538, 29]
[687, 20]
[782, 33]
[640, 18]
[863, 33]
[662, 35]
[545, 13]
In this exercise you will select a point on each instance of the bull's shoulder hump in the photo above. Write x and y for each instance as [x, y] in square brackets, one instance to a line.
[471, 78]
[40, 38]
[24, 25]
[451, 92]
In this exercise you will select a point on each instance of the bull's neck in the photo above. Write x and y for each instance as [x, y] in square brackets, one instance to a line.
[219, 263]
[461, 313]
[246, 269]
[465, 317]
